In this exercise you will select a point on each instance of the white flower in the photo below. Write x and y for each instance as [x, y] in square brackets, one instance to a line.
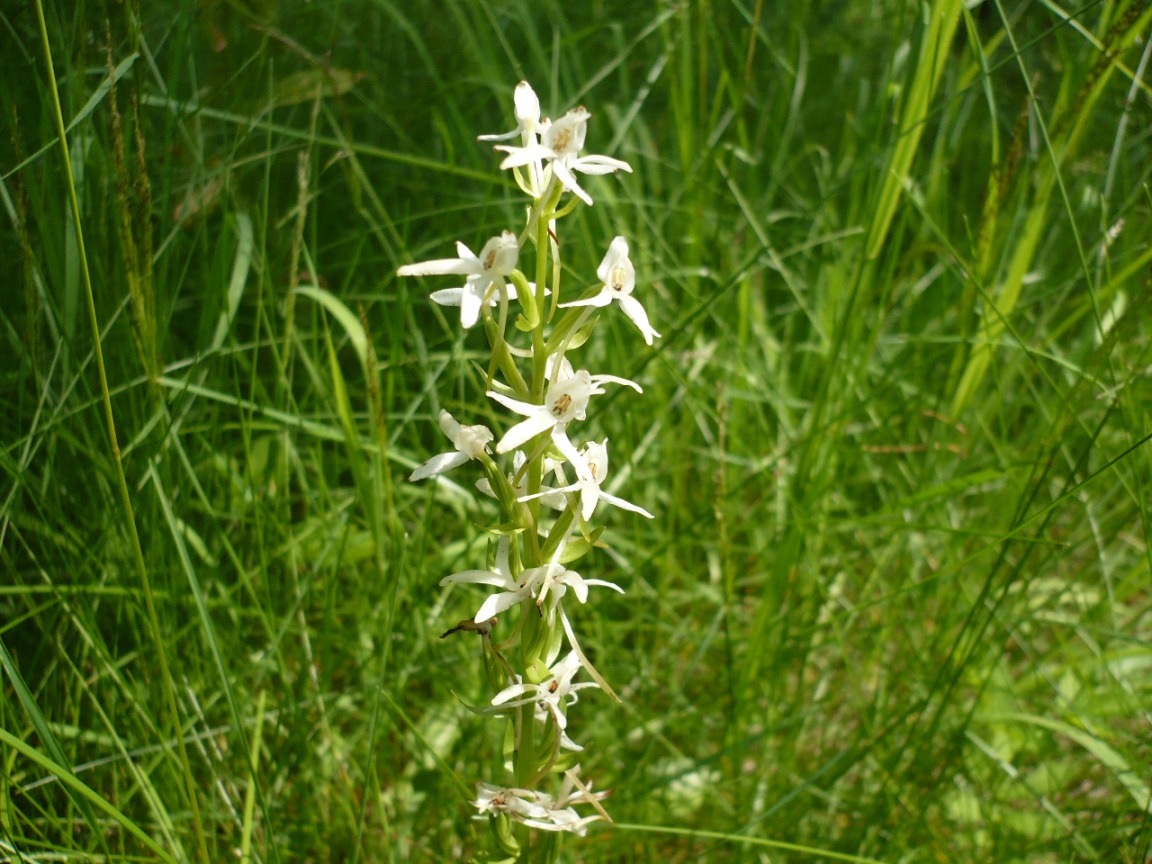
[469, 441]
[552, 695]
[539, 809]
[619, 278]
[527, 106]
[556, 579]
[541, 714]
[527, 109]
[566, 400]
[590, 475]
[535, 582]
[485, 274]
[499, 577]
[561, 143]
[520, 804]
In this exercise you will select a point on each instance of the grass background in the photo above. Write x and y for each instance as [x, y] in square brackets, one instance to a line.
[896, 601]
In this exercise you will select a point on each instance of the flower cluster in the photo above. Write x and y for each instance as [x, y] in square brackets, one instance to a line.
[545, 473]
[539, 809]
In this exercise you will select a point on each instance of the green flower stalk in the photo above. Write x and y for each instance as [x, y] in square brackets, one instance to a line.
[546, 479]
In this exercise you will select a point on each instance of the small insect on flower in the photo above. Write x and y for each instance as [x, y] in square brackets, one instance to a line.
[484, 628]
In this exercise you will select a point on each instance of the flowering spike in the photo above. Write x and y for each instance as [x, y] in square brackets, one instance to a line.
[530, 576]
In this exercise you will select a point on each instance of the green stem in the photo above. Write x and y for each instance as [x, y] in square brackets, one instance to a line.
[533, 638]
[539, 349]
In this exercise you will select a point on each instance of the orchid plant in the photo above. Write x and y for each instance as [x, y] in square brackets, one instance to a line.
[546, 476]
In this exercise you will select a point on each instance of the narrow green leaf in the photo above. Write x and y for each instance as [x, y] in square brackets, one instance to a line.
[43, 729]
[344, 315]
[1104, 752]
[93, 101]
[90, 796]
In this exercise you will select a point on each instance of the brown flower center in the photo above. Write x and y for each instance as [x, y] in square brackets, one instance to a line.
[562, 404]
[562, 141]
[619, 279]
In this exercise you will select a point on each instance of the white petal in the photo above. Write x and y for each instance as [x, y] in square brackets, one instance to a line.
[447, 296]
[589, 497]
[449, 426]
[568, 744]
[567, 668]
[566, 136]
[632, 308]
[549, 497]
[502, 555]
[599, 165]
[602, 299]
[512, 692]
[498, 257]
[473, 440]
[616, 259]
[565, 446]
[555, 500]
[525, 408]
[569, 180]
[518, 156]
[527, 105]
[596, 455]
[526, 430]
[438, 465]
[546, 491]
[507, 136]
[568, 399]
[440, 267]
[577, 583]
[478, 577]
[470, 303]
[625, 505]
[566, 371]
[617, 380]
[496, 604]
[602, 583]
